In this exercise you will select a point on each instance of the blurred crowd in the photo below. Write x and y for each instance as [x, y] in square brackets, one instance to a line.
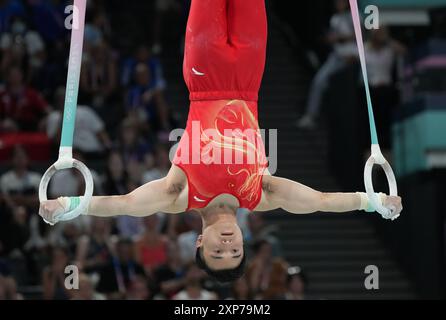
[122, 127]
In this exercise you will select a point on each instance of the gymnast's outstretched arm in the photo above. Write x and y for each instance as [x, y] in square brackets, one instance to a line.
[297, 198]
[146, 200]
[163, 195]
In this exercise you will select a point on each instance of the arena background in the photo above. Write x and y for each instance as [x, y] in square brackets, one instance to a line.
[133, 53]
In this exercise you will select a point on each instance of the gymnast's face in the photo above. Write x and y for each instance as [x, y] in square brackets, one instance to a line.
[222, 245]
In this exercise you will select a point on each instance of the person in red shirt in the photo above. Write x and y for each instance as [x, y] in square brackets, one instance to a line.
[22, 108]
[220, 164]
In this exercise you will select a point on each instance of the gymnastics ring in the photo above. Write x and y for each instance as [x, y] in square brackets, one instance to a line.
[378, 159]
[66, 160]
[83, 205]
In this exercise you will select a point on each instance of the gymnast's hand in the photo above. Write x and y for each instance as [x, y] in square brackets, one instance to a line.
[52, 210]
[394, 204]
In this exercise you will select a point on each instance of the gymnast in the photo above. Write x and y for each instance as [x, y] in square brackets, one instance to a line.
[224, 62]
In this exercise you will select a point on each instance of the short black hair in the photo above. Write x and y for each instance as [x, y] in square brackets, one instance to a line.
[224, 275]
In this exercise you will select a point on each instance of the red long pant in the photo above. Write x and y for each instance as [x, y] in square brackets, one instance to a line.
[225, 49]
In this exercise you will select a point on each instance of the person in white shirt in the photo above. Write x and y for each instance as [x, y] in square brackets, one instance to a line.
[381, 53]
[342, 37]
[19, 186]
[21, 38]
[90, 136]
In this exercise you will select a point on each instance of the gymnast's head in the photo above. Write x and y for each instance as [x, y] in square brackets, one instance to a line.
[220, 246]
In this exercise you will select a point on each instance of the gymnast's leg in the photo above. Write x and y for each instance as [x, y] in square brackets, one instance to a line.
[207, 21]
[206, 34]
[247, 23]
[247, 34]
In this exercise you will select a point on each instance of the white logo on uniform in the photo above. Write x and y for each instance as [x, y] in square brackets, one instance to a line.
[198, 199]
[197, 73]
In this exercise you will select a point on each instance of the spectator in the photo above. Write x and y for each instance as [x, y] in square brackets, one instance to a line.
[151, 247]
[97, 30]
[187, 240]
[194, 289]
[19, 186]
[259, 230]
[8, 10]
[139, 289]
[240, 290]
[86, 290]
[49, 18]
[296, 284]
[117, 276]
[21, 107]
[170, 276]
[143, 56]
[341, 36]
[114, 180]
[8, 289]
[94, 250]
[67, 236]
[115, 183]
[277, 286]
[19, 189]
[21, 42]
[99, 75]
[381, 53]
[36, 240]
[16, 233]
[149, 161]
[13, 55]
[53, 278]
[130, 144]
[135, 170]
[162, 165]
[259, 269]
[90, 136]
[146, 103]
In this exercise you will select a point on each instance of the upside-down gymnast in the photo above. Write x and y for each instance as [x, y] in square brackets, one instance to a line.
[224, 61]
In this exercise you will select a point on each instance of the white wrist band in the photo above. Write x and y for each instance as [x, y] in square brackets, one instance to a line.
[366, 204]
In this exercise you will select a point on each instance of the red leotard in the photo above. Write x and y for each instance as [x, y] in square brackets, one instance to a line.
[224, 61]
